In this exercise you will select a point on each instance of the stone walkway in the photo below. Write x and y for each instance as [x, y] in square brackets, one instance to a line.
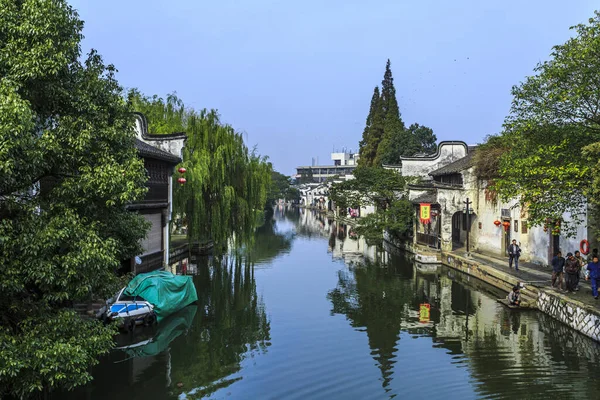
[534, 274]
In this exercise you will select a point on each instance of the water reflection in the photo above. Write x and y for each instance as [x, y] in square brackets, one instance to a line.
[330, 317]
[234, 326]
[508, 353]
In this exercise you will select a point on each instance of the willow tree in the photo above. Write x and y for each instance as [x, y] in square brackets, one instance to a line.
[227, 184]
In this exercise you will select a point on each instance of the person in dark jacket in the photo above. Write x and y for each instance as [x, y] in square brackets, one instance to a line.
[572, 271]
[594, 268]
[558, 263]
[514, 252]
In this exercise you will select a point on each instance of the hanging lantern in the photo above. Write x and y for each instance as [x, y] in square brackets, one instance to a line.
[181, 180]
[181, 170]
[506, 225]
[497, 223]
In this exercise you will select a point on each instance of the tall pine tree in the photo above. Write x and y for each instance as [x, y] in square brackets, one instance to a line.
[373, 132]
[393, 125]
[385, 138]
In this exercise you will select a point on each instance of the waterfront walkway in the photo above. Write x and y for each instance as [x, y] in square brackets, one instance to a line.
[534, 274]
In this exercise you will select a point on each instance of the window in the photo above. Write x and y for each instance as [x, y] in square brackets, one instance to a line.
[523, 226]
[516, 226]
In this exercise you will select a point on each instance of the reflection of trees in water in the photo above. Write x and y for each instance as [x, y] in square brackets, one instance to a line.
[269, 243]
[508, 353]
[373, 297]
[234, 326]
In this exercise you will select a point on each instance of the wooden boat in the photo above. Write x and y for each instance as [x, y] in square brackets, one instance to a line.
[524, 305]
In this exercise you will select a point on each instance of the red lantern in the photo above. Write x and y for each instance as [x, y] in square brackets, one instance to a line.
[181, 170]
[497, 223]
[506, 225]
[181, 180]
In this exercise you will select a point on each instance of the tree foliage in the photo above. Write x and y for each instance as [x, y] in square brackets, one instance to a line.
[554, 115]
[385, 138]
[68, 168]
[373, 132]
[382, 188]
[392, 125]
[227, 184]
[281, 189]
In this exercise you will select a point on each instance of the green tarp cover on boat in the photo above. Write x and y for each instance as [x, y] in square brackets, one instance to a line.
[166, 291]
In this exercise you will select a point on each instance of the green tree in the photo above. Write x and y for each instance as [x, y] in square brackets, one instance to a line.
[424, 137]
[373, 131]
[408, 142]
[393, 127]
[68, 169]
[227, 184]
[554, 115]
[385, 190]
[279, 189]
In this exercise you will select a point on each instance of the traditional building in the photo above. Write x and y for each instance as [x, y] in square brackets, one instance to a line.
[161, 153]
[448, 181]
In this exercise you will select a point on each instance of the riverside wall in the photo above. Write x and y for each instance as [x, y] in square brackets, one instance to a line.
[581, 317]
[577, 315]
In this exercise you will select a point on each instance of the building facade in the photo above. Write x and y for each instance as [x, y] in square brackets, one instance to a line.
[161, 153]
[343, 166]
[490, 223]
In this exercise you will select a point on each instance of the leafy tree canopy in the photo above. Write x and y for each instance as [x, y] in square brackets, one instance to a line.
[68, 168]
[280, 189]
[554, 116]
[382, 188]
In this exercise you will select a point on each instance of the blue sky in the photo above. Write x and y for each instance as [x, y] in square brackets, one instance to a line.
[297, 76]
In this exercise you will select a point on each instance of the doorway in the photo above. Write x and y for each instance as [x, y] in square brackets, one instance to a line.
[506, 241]
[554, 246]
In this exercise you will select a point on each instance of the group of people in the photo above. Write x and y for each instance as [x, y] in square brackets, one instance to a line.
[572, 270]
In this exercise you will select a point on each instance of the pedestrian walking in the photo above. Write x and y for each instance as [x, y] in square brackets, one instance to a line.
[572, 271]
[594, 277]
[514, 252]
[582, 271]
[558, 264]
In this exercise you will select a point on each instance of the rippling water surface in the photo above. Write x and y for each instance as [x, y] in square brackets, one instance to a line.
[320, 315]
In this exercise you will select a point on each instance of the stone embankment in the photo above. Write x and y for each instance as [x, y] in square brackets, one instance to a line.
[578, 311]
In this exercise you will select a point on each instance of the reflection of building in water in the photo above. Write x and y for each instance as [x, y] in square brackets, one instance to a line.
[502, 348]
[344, 243]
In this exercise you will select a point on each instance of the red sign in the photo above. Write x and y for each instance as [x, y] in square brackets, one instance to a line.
[425, 213]
[424, 310]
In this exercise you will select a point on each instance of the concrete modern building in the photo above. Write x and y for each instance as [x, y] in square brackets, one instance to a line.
[343, 166]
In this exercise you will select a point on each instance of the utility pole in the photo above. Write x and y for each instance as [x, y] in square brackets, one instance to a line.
[468, 212]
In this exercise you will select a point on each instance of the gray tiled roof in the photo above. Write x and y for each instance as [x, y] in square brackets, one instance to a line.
[427, 197]
[456, 166]
[149, 151]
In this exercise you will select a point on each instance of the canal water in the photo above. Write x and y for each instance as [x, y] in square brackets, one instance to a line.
[315, 313]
